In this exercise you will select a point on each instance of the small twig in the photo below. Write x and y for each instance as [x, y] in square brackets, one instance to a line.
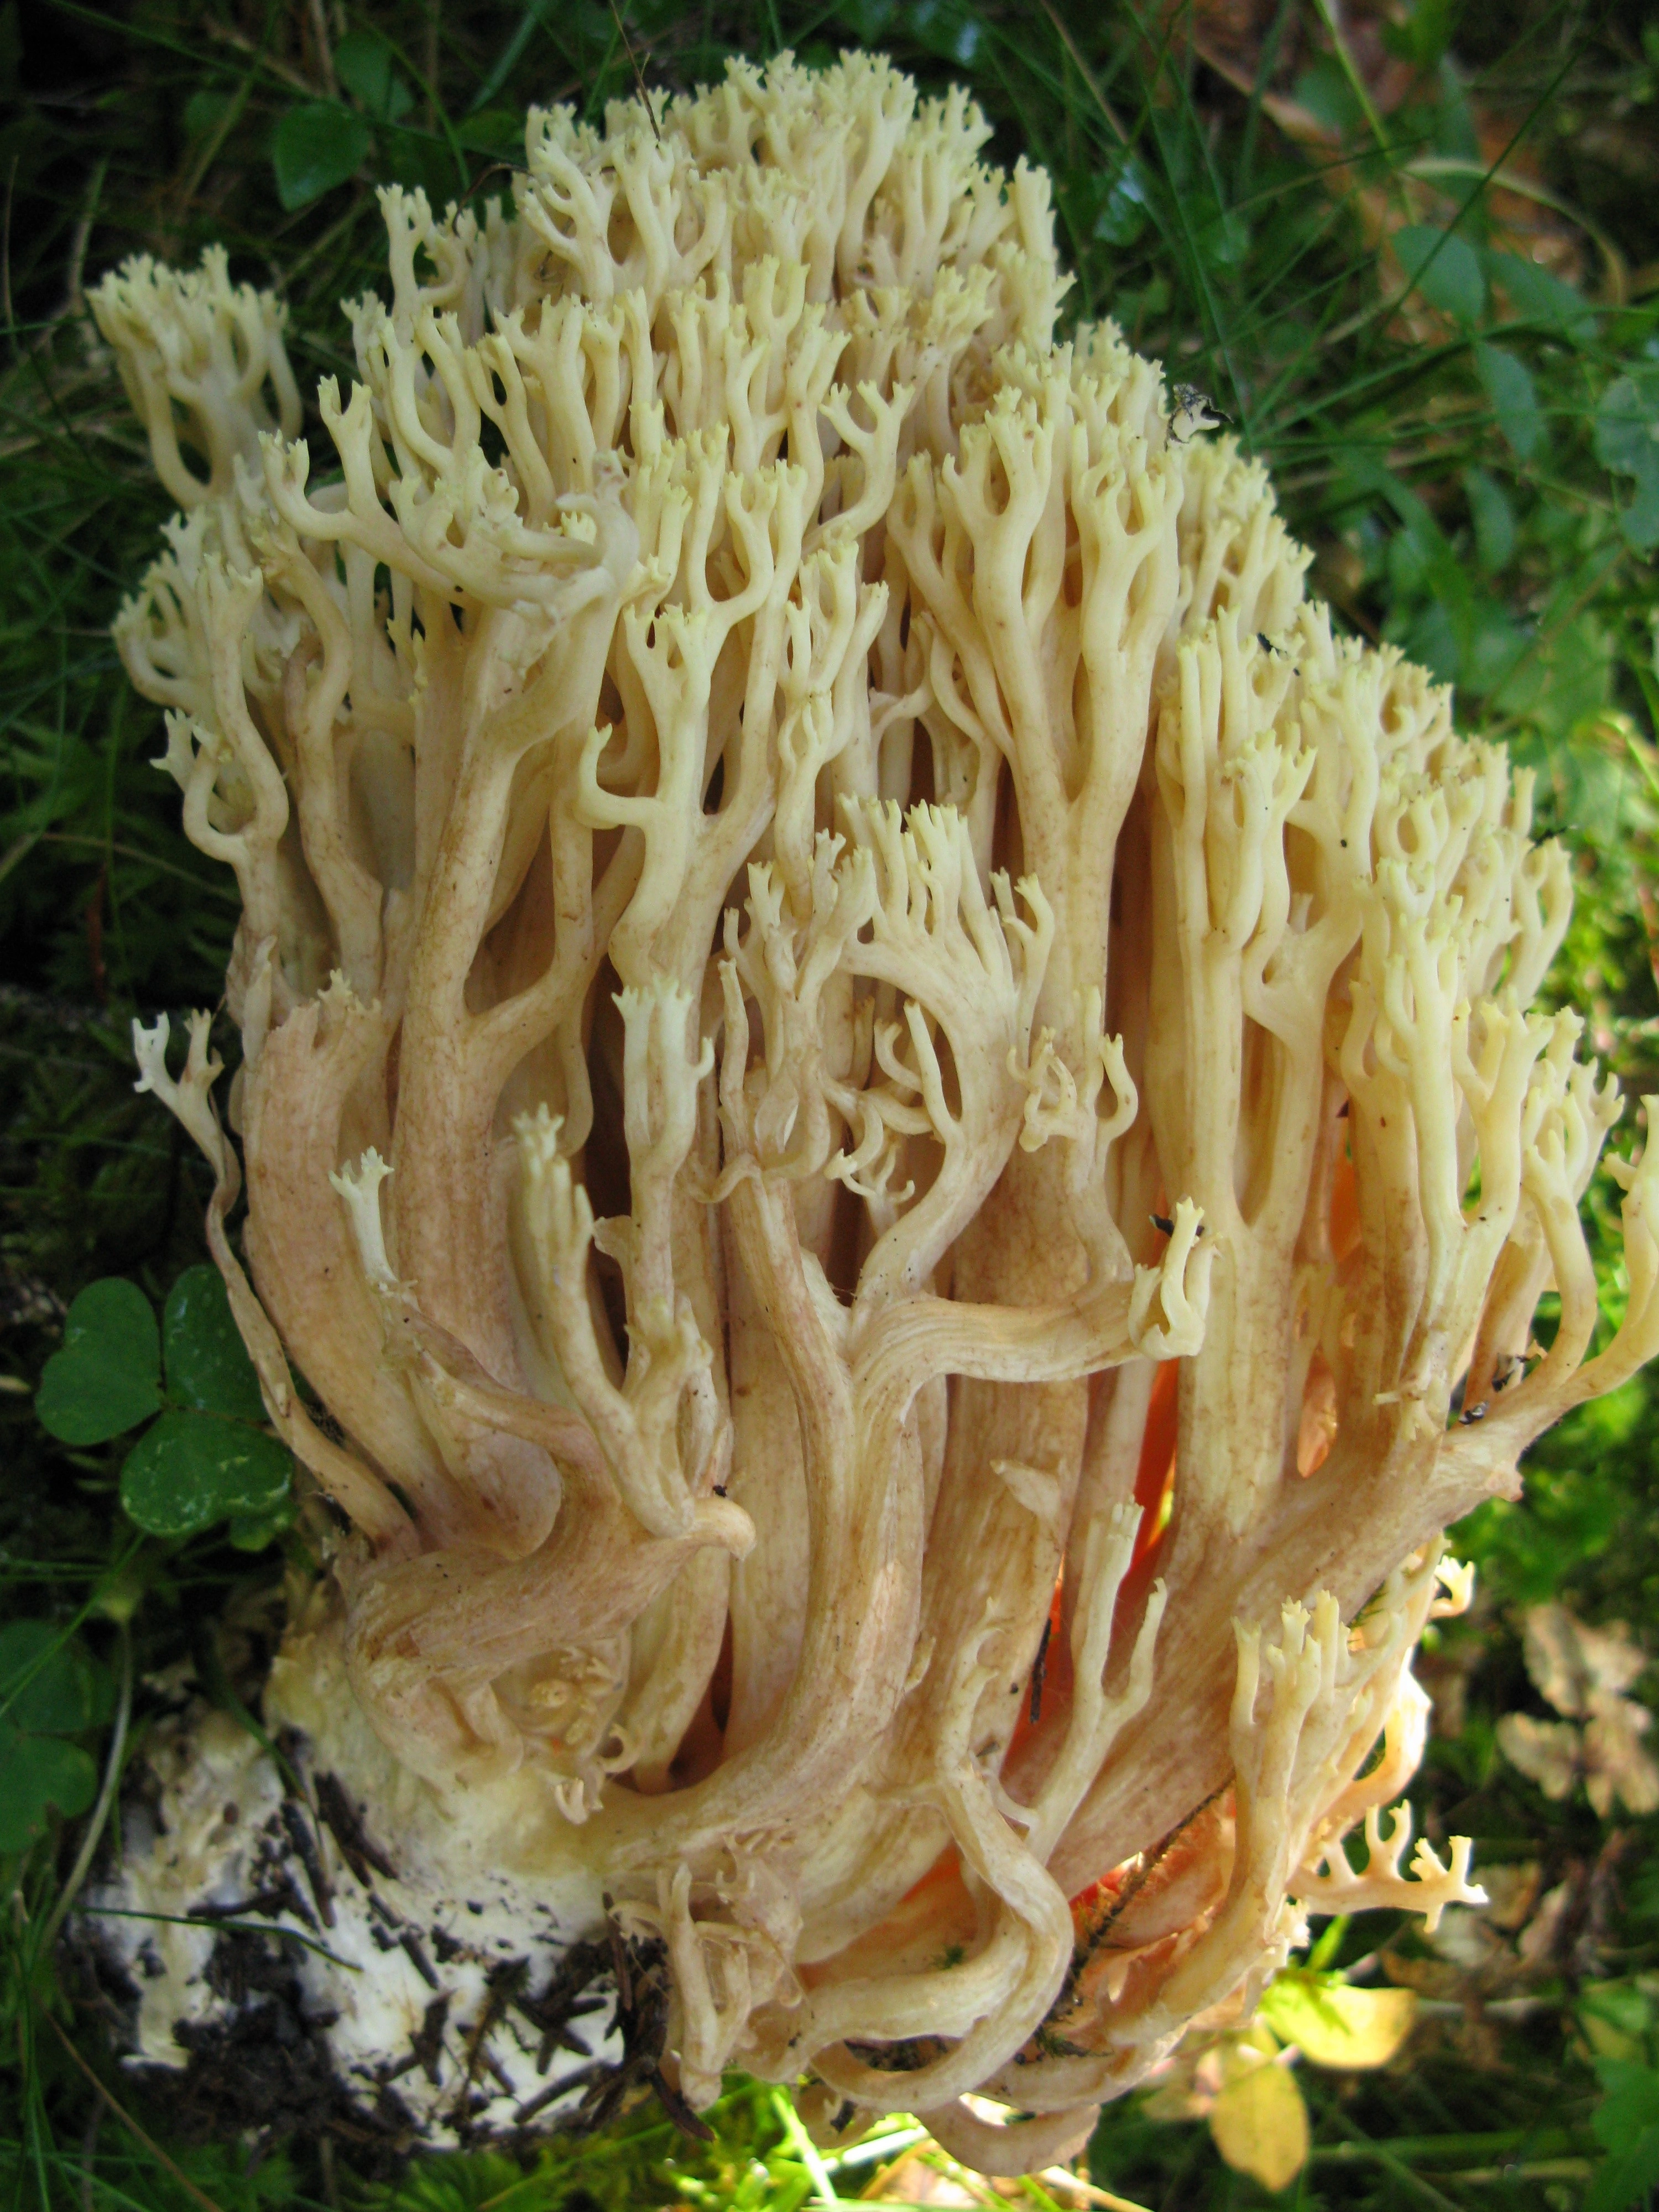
[199, 2196]
[324, 53]
[357, 1847]
[689, 2123]
[639, 74]
[74, 297]
[1086, 73]
[295, 1820]
[295, 78]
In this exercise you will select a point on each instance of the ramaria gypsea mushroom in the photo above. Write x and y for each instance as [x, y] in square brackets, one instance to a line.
[886, 1099]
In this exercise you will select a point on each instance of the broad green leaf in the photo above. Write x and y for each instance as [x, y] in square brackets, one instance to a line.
[105, 1379]
[1627, 442]
[1324, 90]
[49, 1684]
[1493, 516]
[1540, 297]
[37, 1773]
[1627, 2177]
[1627, 422]
[1431, 638]
[207, 1366]
[1444, 268]
[365, 66]
[1514, 400]
[1626, 2125]
[205, 111]
[1625, 2007]
[1569, 680]
[1493, 643]
[192, 1469]
[1456, 134]
[315, 148]
[1260, 2124]
[1336, 2026]
[1629, 2105]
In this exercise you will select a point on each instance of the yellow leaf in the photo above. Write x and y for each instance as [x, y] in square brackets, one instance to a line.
[1260, 2126]
[1335, 2026]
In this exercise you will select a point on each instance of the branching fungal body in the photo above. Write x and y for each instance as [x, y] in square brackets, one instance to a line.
[884, 1095]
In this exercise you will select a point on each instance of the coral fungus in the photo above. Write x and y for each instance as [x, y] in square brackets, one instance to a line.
[891, 1105]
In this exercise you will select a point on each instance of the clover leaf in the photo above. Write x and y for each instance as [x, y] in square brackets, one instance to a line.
[207, 1366]
[189, 1470]
[105, 1379]
[209, 1457]
[50, 1688]
[317, 146]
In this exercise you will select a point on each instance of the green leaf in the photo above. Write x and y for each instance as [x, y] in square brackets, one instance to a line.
[1324, 90]
[1493, 517]
[205, 111]
[1540, 297]
[207, 1366]
[1627, 423]
[1626, 2176]
[314, 149]
[252, 1532]
[1493, 643]
[106, 1378]
[192, 1469]
[1627, 442]
[364, 65]
[1626, 2125]
[1514, 399]
[49, 1683]
[1456, 134]
[498, 131]
[1445, 269]
[1424, 34]
[1336, 2026]
[1629, 2105]
[37, 1772]
[1566, 681]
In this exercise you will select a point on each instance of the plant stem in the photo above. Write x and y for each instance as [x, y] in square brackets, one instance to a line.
[100, 1811]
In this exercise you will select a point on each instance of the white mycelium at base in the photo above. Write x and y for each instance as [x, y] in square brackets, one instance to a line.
[408, 1976]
